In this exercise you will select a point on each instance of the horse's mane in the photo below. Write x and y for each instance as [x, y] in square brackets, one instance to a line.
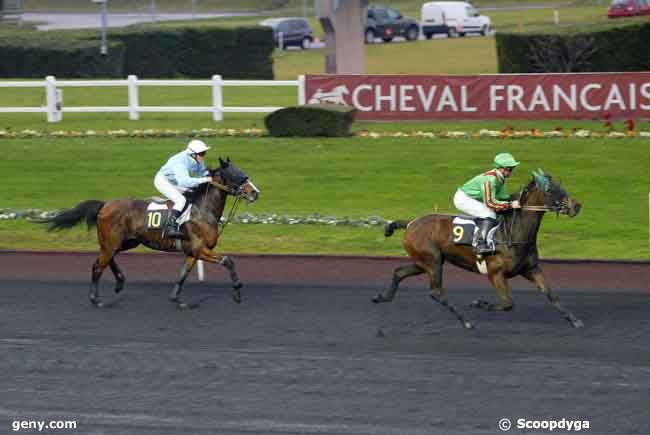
[530, 187]
[553, 187]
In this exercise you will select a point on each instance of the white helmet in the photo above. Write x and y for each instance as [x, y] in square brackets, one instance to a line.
[197, 146]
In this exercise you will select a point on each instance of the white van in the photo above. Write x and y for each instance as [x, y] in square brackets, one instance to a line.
[453, 18]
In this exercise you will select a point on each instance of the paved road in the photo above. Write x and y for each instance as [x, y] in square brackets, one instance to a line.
[310, 358]
[81, 21]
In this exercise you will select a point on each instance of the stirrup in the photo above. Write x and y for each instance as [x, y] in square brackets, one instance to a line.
[172, 232]
[483, 248]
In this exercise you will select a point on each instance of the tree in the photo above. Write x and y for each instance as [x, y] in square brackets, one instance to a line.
[557, 54]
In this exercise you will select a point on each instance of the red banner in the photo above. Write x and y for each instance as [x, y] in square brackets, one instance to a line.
[497, 96]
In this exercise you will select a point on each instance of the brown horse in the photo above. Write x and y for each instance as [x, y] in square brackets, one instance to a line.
[122, 225]
[428, 241]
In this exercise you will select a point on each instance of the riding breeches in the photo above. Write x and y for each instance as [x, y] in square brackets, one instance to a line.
[472, 207]
[174, 193]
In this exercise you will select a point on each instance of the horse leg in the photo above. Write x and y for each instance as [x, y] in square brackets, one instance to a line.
[536, 276]
[105, 257]
[500, 283]
[398, 275]
[174, 296]
[119, 276]
[225, 261]
[439, 294]
[110, 242]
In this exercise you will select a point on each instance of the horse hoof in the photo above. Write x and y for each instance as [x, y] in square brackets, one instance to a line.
[180, 304]
[236, 298]
[97, 303]
[381, 298]
[483, 305]
[468, 325]
[577, 323]
[237, 285]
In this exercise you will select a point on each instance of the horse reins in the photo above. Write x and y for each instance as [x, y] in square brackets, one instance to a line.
[536, 208]
[233, 208]
[539, 208]
[223, 187]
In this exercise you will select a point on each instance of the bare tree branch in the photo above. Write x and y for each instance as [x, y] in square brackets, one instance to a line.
[557, 54]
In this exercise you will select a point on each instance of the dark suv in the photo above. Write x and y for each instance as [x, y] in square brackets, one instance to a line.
[386, 23]
[294, 31]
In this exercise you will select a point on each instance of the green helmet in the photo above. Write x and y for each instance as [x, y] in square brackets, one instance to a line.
[505, 160]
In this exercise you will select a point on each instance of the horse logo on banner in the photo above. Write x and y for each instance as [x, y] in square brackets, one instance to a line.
[335, 96]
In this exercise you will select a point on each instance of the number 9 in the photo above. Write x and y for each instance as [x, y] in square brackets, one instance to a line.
[458, 233]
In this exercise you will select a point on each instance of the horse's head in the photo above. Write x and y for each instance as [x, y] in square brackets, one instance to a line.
[235, 180]
[543, 190]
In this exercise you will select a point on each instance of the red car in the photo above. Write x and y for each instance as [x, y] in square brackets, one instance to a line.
[628, 8]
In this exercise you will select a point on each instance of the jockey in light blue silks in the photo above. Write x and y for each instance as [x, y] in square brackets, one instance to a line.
[181, 172]
[485, 194]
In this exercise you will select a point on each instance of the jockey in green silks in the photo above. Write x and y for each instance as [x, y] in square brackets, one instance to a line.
[484, 195]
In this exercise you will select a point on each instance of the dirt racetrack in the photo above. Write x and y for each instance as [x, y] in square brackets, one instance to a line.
[308, 353]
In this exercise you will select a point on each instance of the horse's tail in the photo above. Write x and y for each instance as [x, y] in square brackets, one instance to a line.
[69, 218]
[390, 227]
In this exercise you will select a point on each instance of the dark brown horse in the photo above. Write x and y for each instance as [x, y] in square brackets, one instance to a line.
[428, 241]
[122, 225]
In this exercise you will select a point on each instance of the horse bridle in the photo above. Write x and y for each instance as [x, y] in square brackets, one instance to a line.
[225, 188]
[557, 207]
[236, 192]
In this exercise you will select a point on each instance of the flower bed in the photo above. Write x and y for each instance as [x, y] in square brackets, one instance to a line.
[255, 132]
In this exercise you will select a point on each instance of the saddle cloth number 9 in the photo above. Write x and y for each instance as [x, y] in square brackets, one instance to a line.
[462, 234]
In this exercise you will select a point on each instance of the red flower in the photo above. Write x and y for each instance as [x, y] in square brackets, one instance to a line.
[607, 120]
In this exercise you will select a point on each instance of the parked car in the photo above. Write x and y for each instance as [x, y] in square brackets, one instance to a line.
[628, 8]
[386, 23]
[453, 18]
[290, 32]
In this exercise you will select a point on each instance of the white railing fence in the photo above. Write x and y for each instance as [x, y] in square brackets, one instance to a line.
[54, 107]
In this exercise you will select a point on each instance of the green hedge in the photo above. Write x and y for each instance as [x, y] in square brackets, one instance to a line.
[61, 56]
[243, 52]
[146, 51]
[619, 48]
[311, 120]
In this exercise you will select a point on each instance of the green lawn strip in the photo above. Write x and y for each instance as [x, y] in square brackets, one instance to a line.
[435, 56]
[582, 241]
[392, 178]
[253, 239]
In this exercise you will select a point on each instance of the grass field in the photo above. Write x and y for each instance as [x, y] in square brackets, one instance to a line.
[354, 177]
[349, 177]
